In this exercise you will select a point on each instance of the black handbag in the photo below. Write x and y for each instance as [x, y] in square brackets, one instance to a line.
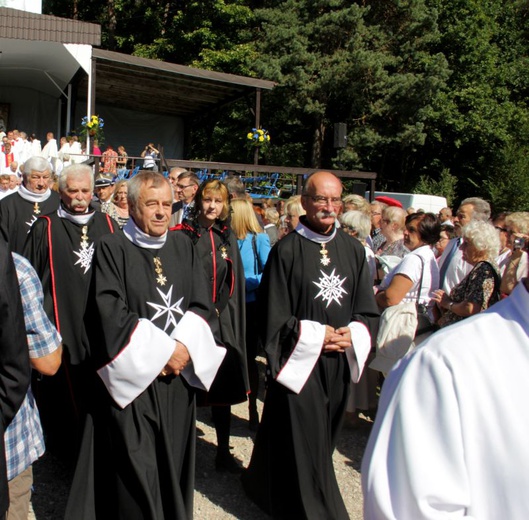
[424, 324]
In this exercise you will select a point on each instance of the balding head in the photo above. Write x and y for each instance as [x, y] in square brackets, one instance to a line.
[322, 200]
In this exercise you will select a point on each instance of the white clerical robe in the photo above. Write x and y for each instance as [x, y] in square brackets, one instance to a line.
[450, 438]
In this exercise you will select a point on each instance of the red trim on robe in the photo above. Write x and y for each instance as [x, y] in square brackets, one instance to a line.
[52, 273]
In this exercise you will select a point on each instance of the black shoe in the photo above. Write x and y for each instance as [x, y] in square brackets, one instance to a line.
[227, 462]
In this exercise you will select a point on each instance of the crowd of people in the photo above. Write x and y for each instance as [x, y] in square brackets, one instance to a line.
[146, 297]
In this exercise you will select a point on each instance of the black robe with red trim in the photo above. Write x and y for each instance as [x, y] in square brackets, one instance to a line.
[65, 267]
[220, 256]
[17, 215]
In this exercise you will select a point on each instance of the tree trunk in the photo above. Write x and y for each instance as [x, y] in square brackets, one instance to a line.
[112, 23]
[317, 144]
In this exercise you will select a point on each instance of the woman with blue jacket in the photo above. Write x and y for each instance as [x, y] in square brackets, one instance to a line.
[254, 246]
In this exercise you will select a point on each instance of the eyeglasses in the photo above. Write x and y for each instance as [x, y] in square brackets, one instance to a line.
[505, 230]
[183, 187]
[386, 221]
[375, 213]
[323, 201]
[442, 239]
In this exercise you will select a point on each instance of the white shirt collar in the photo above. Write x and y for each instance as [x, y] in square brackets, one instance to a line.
[141, 239]
[81, 219]
[33, 197]
[307, 233]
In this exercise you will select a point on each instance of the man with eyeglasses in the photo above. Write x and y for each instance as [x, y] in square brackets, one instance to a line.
[185, 190]
[377, 237]
[318, 320]
[453, 268]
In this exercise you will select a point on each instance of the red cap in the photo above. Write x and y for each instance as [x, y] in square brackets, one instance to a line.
[389, 201]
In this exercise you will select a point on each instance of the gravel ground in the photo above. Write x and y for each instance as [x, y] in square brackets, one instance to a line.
[217, 495]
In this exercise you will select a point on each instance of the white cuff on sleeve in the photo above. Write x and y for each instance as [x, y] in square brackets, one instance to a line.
[307, 350]
[206, 356]
[138, 364]
[357, 355]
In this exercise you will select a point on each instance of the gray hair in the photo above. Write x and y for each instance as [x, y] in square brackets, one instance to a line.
[357, 221]
[75, 171]
[358, 202]
[236, 187]
[378, 204]
[518, 220]
[36, 164]
[135, 184]
[481, 208]
[484, 237]
[395, 215]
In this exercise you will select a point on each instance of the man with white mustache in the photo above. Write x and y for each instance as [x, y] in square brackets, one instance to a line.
[319, 322]
[60, 247]
[34, 198]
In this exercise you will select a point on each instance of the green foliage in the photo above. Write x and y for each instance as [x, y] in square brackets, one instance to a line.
[508, 188]
[445, 186]
[431, 90]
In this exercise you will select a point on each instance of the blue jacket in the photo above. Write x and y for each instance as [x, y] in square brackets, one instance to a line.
[253, 267]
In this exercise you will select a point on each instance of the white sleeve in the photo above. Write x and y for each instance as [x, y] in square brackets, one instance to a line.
[410, 267]
[307, 350]
[138, 364]
[357, 354]
[414, 464]
[206, 356]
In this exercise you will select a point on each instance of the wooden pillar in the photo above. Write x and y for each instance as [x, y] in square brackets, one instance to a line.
[257, 121]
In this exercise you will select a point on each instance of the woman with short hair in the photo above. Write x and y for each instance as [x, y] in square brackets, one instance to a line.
[293, 210]
[406, 293]
[481, 287]
[217, 247]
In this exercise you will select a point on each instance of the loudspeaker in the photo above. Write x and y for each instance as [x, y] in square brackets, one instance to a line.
[359, 188]
[340, 135]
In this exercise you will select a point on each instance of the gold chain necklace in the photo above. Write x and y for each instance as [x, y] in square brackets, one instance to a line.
[324, 260]
[158, 269]
[84, 237]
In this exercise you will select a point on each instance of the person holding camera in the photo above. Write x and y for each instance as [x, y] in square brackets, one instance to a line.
[517, 229]
[481, 287]
[150, 155]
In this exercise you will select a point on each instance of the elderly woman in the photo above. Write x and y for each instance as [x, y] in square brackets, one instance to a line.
[393, 249]
[118, 207]
[353, 202]
[358, 225]
[392, 227]
[293, 210]
[517, 267]
[447, 233]
[481, 287]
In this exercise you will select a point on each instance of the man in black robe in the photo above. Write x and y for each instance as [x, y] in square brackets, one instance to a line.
[319, 318]
[150, 341]
[14, 358]
[34, 198]
[60, 247]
